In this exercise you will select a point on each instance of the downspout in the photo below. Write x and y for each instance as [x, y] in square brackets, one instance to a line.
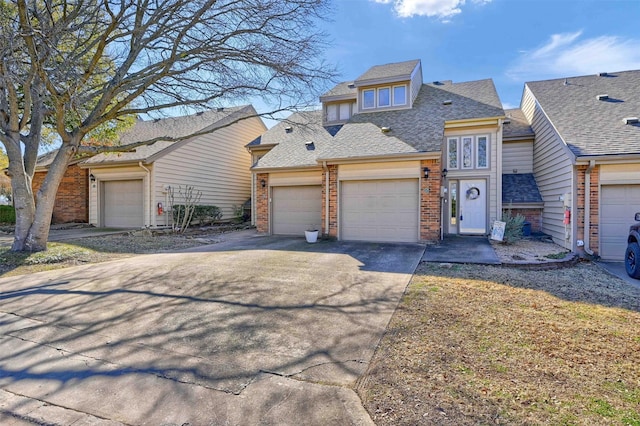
[152, 217]
[326, 197]
[587, 206]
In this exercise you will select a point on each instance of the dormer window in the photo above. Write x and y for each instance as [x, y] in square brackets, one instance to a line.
[384, 97]
[339, 111]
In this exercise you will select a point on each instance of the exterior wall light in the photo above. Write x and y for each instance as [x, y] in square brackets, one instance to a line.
[444, 173]
[92, 177]
[263, 183]
[426, 172]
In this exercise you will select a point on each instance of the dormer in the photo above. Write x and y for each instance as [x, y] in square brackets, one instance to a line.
[339, 104]
[389, 87]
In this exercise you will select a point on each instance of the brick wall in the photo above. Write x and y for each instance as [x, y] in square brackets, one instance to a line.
[533, 216]
[72, 199]
[430, 213]
[262, 203]
[594, 214]
[333, 201]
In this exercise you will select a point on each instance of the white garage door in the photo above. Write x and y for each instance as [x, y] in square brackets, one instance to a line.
[618, 205]
[381, 210]
[123, 204]
[296, 209]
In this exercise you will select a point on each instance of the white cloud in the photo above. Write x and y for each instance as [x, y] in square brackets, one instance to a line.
[441, 9]
[566, 55]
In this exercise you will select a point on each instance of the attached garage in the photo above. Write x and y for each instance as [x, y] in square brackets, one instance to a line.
[122, 202]
[618, 204]
[379, 210]
[296, 209]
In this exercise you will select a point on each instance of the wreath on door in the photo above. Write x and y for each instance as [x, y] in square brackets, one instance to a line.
[473, 193]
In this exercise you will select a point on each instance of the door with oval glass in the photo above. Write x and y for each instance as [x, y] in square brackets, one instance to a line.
[472, 213]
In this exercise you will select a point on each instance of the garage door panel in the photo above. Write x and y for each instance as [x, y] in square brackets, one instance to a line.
[618, 204]
[296, 209]
[382, 210]
[123, 204]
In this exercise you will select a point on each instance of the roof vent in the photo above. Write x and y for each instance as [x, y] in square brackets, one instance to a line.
[506, 121]
[566, 82]
[603, 74]
[385, 129]
[631, 120]
[438, 83]
[155, 120]
[310, 146]
[199, 112]
[220, 109]
[447, 102]
[288, 129]
[351, 85]
[602, 97]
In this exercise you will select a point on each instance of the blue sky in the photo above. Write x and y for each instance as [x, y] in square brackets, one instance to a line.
[510, 41]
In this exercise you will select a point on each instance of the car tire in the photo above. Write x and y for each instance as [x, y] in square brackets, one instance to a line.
[632, 260]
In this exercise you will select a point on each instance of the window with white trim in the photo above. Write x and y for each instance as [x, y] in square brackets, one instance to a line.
[339, 112]
[368, 99]
[384, 97]
[399, 95]
[468, 152]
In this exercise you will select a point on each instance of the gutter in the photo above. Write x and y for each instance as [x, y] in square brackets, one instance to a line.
[587, 206]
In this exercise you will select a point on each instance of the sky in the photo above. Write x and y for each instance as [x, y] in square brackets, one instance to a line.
[509, 41]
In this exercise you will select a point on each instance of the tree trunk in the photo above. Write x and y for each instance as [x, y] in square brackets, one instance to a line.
[33, 219]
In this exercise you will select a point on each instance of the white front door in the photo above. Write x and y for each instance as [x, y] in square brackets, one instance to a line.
[473, 206]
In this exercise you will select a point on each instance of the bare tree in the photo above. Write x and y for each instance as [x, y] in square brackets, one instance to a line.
[81, 66]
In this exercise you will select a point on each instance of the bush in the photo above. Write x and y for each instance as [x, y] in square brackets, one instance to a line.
[513, 227]
[7, 214]
[201, 214]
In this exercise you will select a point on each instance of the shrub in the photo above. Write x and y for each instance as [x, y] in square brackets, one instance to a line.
[201, 214]
[7, 214]
[513, 227]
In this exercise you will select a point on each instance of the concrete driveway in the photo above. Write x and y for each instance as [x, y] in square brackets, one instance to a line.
[253, 331]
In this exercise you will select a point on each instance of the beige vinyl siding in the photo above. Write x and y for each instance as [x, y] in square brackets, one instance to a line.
[389, 170]
[105, 174]
[517, 156]
[553, 170]
[619, 173]
[416, 83]
[295, 178]
[216, 164]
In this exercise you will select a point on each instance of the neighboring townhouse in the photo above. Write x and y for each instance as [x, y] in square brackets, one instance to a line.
[388, 158]
[131, 189]
[587, 136]
[72, 198]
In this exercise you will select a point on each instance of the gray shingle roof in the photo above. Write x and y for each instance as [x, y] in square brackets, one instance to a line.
[590, 126]
[518, 127]
[422, 127]
[396, 70]
[341, 90]
[520, 188]
[419, 129]
[292, 149]
[172, 127]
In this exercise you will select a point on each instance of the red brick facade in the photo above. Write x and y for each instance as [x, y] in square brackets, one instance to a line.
[262, 202]
[430, 213]
[72, 199]
[533, 216]
[594, 212]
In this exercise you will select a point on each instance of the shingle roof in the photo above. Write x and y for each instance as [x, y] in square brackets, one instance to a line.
[419, 129]
[590, 126]
[292, 149]
[398, 69]
[518, 127]
[520, 188]
[172, 127]
[422, 127]
[341, 90]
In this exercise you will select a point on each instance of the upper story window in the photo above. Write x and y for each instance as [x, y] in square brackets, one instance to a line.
[339, 112]
[384, 97]
[467, 152]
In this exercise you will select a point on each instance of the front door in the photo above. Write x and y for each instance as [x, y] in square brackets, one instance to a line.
[472, 214]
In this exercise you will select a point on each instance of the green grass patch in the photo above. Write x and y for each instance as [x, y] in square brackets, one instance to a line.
[55, 253]
[560, 255]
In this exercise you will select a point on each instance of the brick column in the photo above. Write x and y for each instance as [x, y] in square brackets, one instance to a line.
[262, 203]
[430, 214]
[333, 201]
[594, 212]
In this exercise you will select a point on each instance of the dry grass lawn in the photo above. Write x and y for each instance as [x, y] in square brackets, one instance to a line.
[489, 345]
